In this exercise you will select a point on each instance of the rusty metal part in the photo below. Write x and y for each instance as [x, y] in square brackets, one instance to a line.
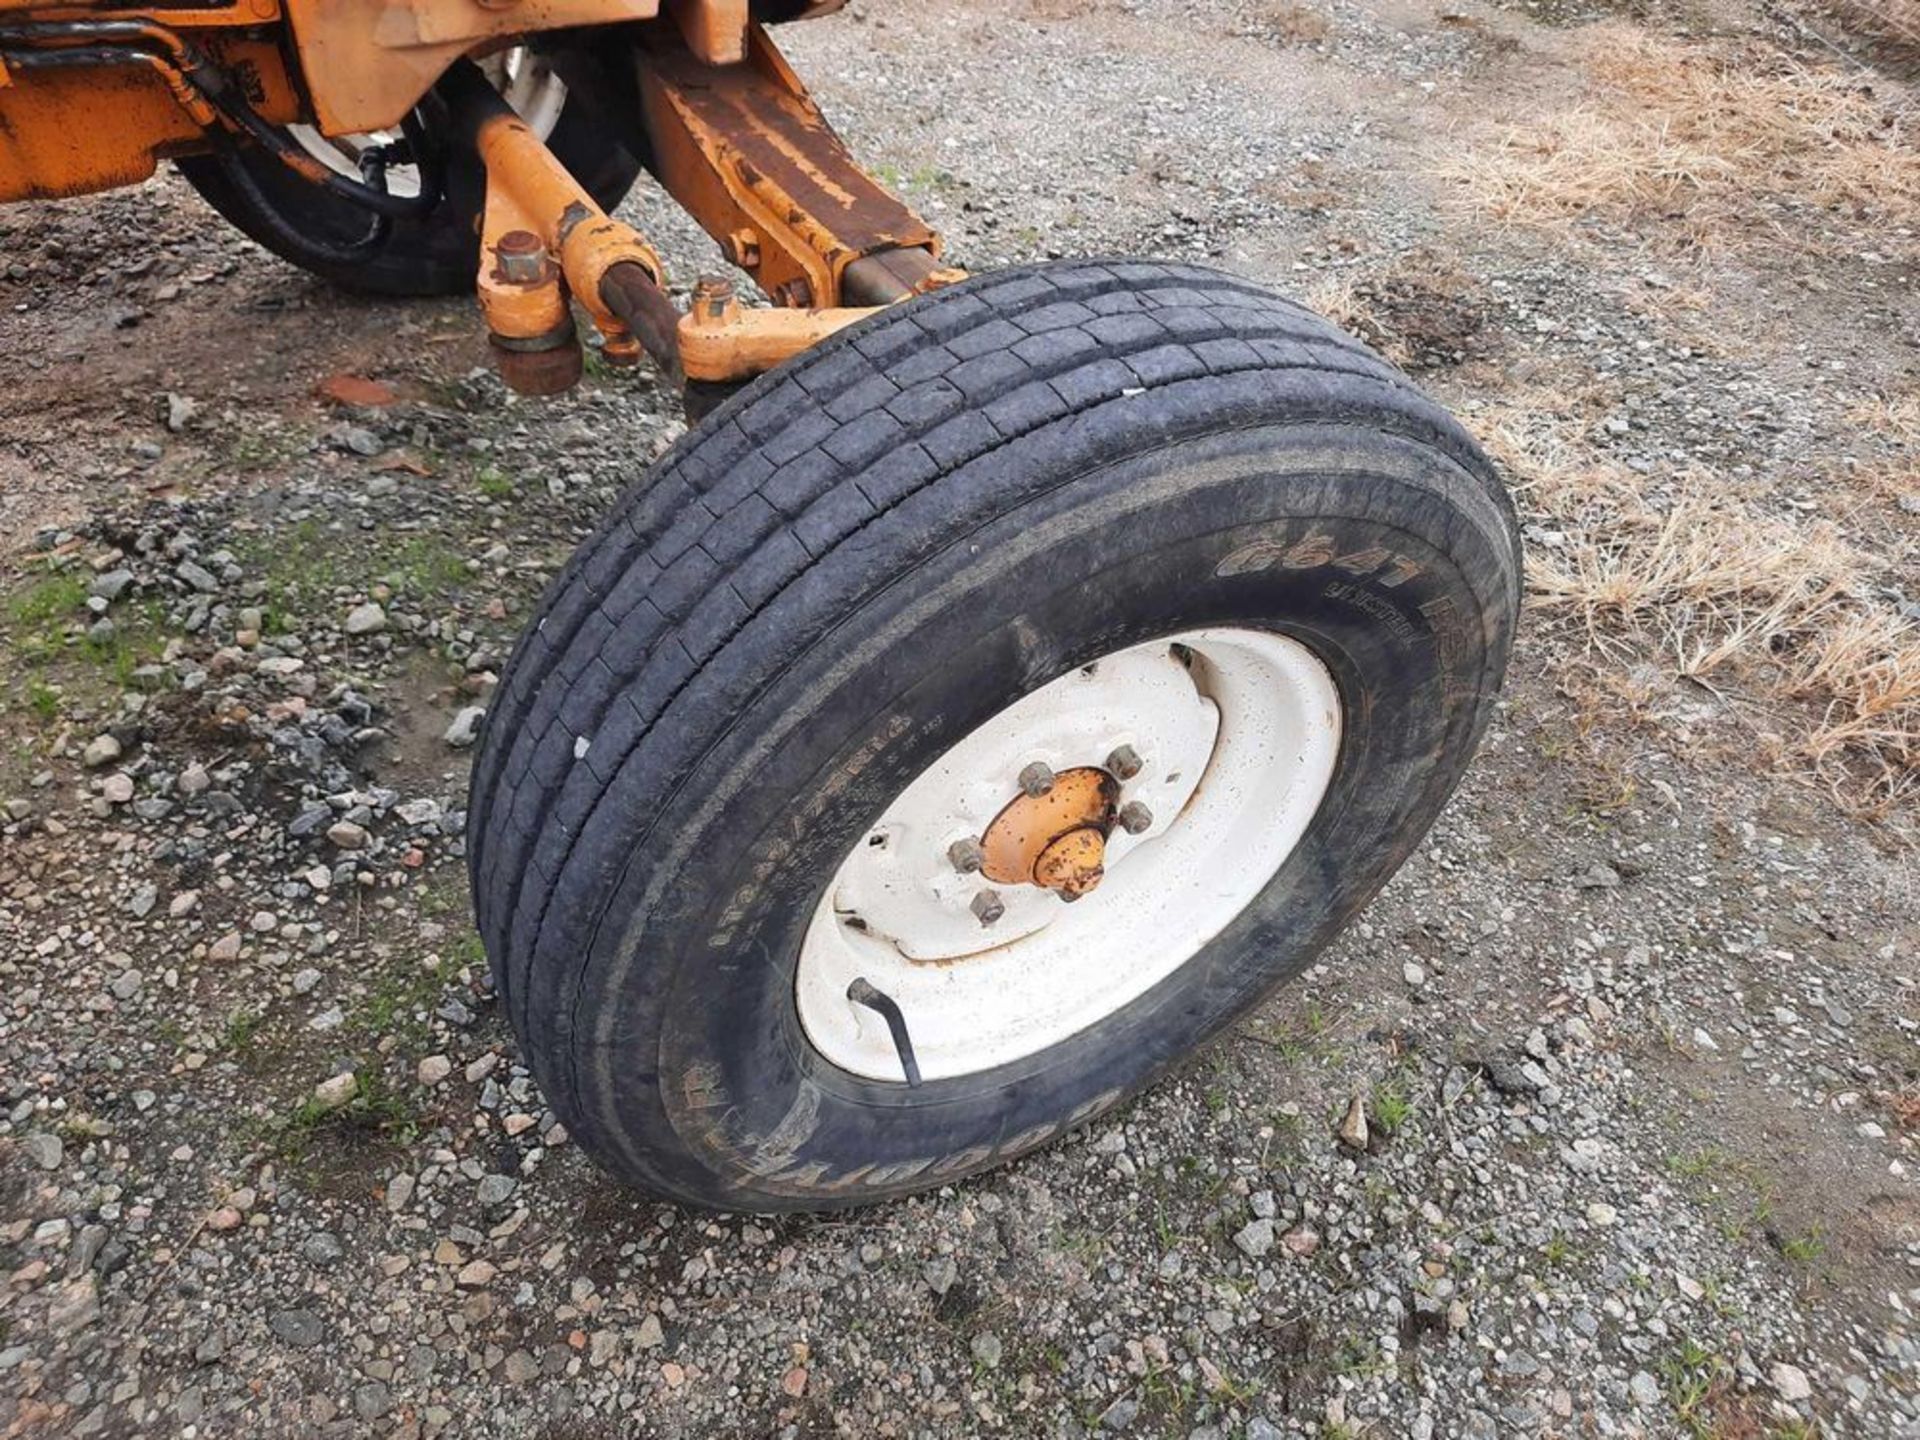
[1022, 833]
[522, 256]
[647, 312]
[1074, 864]
[536, 210]
[1125, 762]
[893, 275]
[965, 855]
[988, 907]
[534, 343]
[1036, 779]
[550, 371]
[1135, 818]
[721, 340]
[744, 148]
[519, 287]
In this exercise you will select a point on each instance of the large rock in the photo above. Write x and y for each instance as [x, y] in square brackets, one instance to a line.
[367, 619]
[44, 1150]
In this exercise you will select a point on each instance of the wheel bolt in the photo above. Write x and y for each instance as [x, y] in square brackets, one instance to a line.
[988, 907]
[966, 856]
[1036, 779]
[1135, 818]
[1124, 763]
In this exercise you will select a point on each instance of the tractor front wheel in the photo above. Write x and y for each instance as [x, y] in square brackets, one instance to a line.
[972, 718]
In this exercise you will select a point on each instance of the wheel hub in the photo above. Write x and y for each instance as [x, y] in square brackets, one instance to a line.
[1057, 838]
[1218, 746]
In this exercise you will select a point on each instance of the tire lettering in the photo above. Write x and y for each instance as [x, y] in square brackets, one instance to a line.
[894, 1174]
[1388, 567]
[812, 1177]
[965, 1160]
[1404, 570]
[1373, 606]
[1311, 553]
[1362, 561]
[1250, 559]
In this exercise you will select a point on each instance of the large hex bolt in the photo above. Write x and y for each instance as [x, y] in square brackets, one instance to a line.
[1135, 818]
[988, 907]
[966, 856]
[523, 257]
[1036, 779]
[1124, 763]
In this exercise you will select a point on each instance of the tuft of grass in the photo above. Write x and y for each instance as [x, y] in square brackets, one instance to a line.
[307, 561]
[50, 600]
[374, 1107]
[44, 700]
[1709, 137]
[400, 1004]
[1695, 1164]
[428, 565]
[1897, 417]
[1804, 1249]
[1692, 1378]
[1392, 1107]
[241, 1028]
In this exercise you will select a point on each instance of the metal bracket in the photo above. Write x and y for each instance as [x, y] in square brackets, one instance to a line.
[747, 152]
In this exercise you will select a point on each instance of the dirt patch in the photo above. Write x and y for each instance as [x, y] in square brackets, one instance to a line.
[1424, 313]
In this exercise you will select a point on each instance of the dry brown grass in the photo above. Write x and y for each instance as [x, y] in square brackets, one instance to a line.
[1891, 29]
[1785, 619]
[1294, 23]
[1897, 417]
[1716, 142]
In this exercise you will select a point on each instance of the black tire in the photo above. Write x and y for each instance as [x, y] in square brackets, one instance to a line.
[437, 255]
[862, 557]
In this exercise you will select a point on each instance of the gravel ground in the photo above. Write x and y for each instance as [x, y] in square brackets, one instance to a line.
[1601, 1122]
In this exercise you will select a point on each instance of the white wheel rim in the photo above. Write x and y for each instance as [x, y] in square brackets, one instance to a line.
[525, 81]
[1237, 732]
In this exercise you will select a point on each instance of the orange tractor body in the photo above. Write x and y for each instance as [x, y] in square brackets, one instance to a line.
[91, 99]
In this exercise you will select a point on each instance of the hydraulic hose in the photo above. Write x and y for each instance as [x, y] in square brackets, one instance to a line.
[206, 92]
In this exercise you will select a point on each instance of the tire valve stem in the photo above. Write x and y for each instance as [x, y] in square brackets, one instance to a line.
[882, 1004]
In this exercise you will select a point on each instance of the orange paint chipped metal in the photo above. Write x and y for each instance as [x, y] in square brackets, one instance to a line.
[744, 148]
[1074, 864]
[1027, 831]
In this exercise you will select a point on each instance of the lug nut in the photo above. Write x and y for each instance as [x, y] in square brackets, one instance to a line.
[966, 856]
[1135, 818]
[1036, 779]
[1124, 763]
[988, 907]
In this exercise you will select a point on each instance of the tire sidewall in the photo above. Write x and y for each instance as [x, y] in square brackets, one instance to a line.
[1246, 528]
